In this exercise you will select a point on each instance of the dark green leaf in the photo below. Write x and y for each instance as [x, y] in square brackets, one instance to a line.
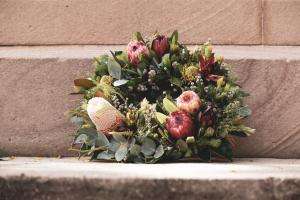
[225, 150]
[238, 133]
[204, 154]
[183, 147]
[176, 81]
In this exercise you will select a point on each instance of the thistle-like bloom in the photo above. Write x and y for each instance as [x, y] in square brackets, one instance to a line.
[190, 73]
[180, 124]
[103, 114]
[160, 45]
[189, 101]
[136, 49]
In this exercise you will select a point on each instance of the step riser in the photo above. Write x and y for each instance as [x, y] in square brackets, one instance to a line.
[34, 97]
[111, 22]
[43, 189]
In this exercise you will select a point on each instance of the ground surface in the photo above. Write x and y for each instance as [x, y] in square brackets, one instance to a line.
[50, 178]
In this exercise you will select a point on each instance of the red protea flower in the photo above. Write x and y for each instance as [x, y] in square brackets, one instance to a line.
[207, 117]
[135, 49]
[206, 65]
[160, 45]
[180, 124]
[189, 101]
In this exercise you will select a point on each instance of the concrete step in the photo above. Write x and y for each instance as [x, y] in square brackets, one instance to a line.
[35, 83]
[50, 178]
[33, 22]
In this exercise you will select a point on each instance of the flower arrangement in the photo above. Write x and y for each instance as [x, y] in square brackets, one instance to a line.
[159, 102]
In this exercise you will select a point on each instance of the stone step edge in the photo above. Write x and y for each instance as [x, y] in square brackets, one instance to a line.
[50, 178]
[88, 51]
[239, 169]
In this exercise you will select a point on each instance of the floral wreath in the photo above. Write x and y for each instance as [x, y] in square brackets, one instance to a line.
[159, 102]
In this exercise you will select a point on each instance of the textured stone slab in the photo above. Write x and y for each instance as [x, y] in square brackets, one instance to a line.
[29, 178]
[35, 84]
[281, 22]
[34, 22]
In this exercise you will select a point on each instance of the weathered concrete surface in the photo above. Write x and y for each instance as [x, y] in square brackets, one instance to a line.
[28, 178]
[33, 22]
[281, 22]
[36, 82]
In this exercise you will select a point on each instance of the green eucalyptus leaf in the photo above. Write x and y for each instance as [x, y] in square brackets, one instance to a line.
[77, 120]
[122, 151]
[114, 68]
[102, 140]
[148, 147]
[106, 155]
[82, 138]
[119, 137]
[169, 106]
[91, 134]
[159, 152]
[244, 112]
[135, 150]
[113, 145]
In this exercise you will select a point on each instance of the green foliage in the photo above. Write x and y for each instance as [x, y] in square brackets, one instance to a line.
[145, 94]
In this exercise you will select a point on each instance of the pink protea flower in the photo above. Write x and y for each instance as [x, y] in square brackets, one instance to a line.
[179, 124]
[160, 45]
[135, 49]
[189, 101]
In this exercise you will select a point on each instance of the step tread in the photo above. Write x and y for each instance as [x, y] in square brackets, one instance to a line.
[89, 51]
[240, 169]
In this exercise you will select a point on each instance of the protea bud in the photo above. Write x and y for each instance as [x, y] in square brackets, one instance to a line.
[189, 101]
[180, 125]
[206, 118]
[135, 50]
[160, 45]
[105, 117]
